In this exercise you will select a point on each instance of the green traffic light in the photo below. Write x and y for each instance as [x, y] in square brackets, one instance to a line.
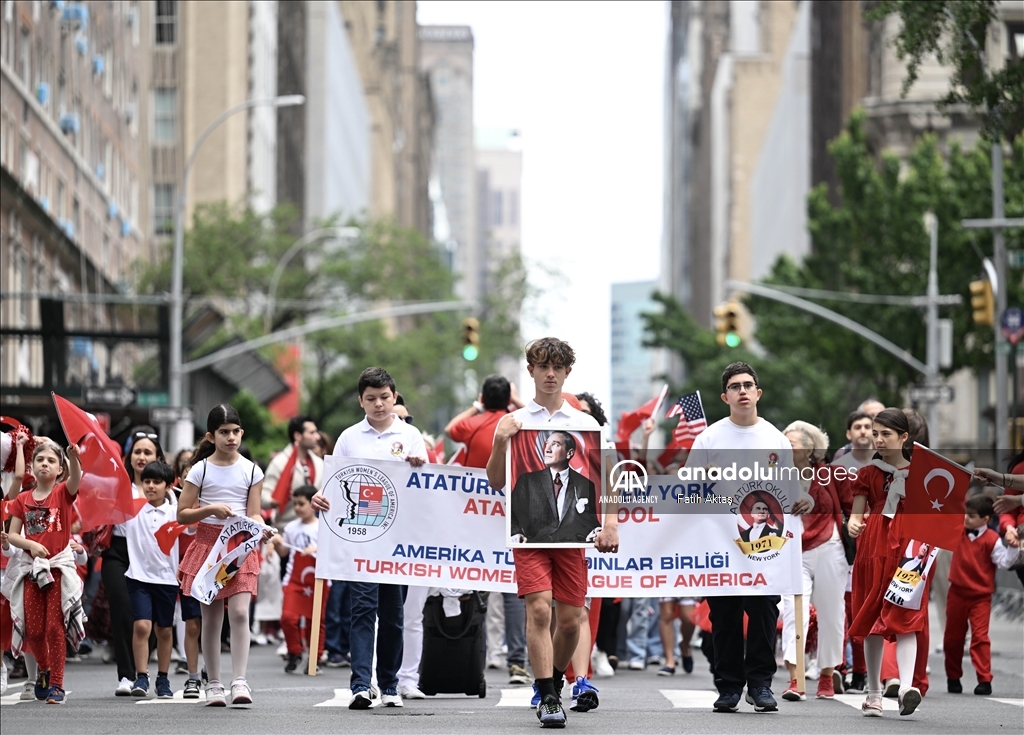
[732, 340]
[470, 352]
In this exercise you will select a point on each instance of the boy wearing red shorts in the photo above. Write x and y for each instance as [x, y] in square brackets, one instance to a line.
[549, 574]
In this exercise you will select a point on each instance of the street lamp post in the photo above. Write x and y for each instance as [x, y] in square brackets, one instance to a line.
[349, 233]
[178, 259]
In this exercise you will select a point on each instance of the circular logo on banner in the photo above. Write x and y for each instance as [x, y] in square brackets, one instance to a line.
[369, 504]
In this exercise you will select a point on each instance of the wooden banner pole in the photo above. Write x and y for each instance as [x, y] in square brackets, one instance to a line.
[798, 607]
[314, 633]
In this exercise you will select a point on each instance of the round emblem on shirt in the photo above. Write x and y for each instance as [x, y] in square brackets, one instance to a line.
[773, 460]
[396, 449]
[368, 503]
[761, 525]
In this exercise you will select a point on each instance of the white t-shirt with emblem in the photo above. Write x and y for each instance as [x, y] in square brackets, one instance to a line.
[398, 441]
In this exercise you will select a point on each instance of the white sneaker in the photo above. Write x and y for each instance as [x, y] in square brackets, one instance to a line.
[3, 676]
[28, 692]
[240, 692]
[391, 700]
[124, 688]
[599, 660]
[813, 673]
[215, 694]
[260, 639]
[360, 700]
[282, 650]
[411, 693]
[636, 666]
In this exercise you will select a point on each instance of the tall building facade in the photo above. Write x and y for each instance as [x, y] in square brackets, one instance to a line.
[323, 153]
[499, 175]
[446, 55]
[385, 45]
[631, 361]
[71, 185]
[738, 159]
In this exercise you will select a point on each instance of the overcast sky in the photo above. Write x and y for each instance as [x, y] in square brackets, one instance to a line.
[583, 82]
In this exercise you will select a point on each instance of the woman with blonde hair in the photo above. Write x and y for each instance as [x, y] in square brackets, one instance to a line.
[824, 564]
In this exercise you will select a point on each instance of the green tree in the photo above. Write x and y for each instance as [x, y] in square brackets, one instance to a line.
[955, 32]
[872, 242]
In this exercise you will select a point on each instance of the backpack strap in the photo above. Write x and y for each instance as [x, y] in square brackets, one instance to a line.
[202, 479]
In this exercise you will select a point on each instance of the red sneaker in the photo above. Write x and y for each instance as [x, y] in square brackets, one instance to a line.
[791, 694]
[826, 688]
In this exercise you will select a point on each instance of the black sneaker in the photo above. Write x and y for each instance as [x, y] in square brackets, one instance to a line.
[858, 684]
[727, 702]
[293, 663]
[191, 689]
[550, 712]
[18, 670]
[163, 688]
[983, 689]
[181, 667]
[953, 686]
[762, 699]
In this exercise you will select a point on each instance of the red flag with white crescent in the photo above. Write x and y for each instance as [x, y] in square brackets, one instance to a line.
[167, 534]
[935, 503]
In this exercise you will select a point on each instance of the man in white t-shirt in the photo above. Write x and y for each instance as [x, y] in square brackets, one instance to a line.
[381, 435]
[733, 439]
[548, 574]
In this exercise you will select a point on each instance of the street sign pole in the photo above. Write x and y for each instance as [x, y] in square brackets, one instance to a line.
[932, 223]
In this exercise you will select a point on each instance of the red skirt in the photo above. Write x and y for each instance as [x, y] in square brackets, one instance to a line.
[876, 562]
[245, 580]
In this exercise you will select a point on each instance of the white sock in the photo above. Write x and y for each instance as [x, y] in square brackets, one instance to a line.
[906, 657]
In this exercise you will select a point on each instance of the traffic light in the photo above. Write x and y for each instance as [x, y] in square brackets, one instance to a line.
[470, 338]
[727, 317]
[982, 303]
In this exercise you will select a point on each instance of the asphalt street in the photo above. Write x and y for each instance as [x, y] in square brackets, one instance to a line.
[631, 701]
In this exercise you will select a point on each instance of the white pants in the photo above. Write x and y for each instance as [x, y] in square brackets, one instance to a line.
[495, 626]
[412, 637]
[824, 572]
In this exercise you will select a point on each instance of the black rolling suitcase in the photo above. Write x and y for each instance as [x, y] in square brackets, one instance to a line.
[453, 648]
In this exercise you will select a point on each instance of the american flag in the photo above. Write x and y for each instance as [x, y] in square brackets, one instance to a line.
[370, 507]
[691, 419]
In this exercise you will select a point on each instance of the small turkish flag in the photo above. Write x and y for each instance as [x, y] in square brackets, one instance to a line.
[371, 492]
[934, 507]
[105, 492]
[167, 534]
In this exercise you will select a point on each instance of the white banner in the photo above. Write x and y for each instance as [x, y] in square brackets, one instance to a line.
[239, 537]
[443, 526]
[906, 588]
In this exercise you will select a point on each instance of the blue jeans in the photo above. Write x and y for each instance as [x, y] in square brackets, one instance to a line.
[339, 618]
[380, 604]
[634, 621]
[515, 626]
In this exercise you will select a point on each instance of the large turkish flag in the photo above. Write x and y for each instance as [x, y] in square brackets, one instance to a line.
[934, 507]
[105, 492]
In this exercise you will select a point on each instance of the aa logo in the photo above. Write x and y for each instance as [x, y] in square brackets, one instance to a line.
[629, 477]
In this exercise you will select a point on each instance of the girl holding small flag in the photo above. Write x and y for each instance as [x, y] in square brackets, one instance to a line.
[880, 487]
[45, 591]
[222, 484]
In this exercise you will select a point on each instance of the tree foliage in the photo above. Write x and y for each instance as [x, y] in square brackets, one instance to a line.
[231, 254]
[955, 32]
[873, 242]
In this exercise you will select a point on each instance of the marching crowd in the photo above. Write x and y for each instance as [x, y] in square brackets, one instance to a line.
[129, 584]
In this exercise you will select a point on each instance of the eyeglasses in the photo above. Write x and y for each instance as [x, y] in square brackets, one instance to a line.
[737, 387]
[407, 419]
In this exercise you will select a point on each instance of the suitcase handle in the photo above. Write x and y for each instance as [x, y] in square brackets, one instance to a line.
[469, 619]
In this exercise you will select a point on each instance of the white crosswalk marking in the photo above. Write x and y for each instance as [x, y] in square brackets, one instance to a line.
[341, 699]
[690, 698]
[518, 697]
[179, 698]
[856, 700]
[1017, 702]
[12, 698]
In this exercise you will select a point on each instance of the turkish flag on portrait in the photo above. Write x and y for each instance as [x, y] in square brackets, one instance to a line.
[105, 492]
[934, 507]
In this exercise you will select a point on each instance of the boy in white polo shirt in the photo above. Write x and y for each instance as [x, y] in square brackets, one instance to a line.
[381, 435]
[152, 579]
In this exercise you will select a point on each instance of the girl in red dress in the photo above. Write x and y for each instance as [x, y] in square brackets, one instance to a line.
[880, 487]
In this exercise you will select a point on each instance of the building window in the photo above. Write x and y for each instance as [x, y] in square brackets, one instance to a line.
[25, 57]
[59, 204]
[513, 209]
[165, 108]
[1015, 40]
[496, 214]
[163, 209]
[166, 22]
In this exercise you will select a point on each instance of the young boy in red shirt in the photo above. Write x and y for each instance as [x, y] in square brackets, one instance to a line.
[972, 580]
